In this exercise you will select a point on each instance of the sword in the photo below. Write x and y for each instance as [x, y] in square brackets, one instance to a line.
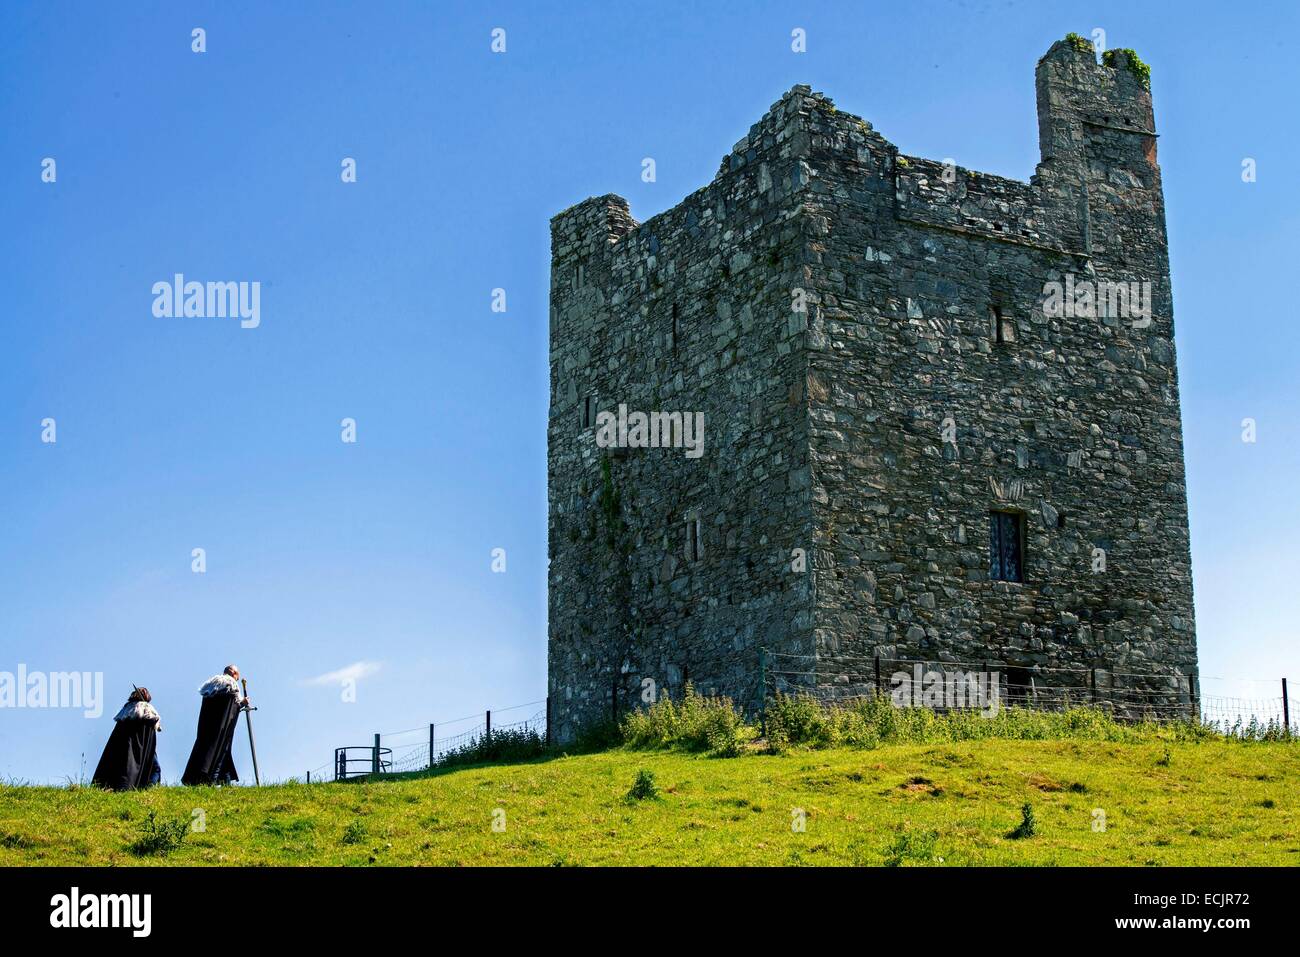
[257, 778]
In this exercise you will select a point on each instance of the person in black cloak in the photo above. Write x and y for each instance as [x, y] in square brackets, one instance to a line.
[210, 761]
[130, 756]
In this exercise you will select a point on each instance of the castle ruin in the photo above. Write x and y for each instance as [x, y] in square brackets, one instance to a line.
[940, 415]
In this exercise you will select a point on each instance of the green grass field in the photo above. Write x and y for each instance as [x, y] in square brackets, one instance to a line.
[954, 803]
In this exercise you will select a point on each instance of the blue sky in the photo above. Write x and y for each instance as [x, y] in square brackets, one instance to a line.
[182, 433]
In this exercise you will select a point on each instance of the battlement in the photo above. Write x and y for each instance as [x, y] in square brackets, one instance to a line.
[1095, 124]
[1076, 92]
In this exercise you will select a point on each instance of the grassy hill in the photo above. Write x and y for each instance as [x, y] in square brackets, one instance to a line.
[951, 803]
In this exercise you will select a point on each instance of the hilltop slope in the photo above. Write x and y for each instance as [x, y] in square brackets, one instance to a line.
[1208, 803]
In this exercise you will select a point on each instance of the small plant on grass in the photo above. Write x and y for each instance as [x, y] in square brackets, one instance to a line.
[354, 833]
[1028, 826]
[159, 837]
[16, 842]
[644, 787]
[1168, 758]
[915, 847]
[299, 827]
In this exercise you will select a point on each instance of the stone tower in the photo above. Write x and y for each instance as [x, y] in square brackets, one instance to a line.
[940, 416]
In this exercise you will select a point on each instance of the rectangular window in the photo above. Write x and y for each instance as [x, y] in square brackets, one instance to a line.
[588, 411]
[694, 546]
[675, 331]
[1001, 329]
[1006, 546]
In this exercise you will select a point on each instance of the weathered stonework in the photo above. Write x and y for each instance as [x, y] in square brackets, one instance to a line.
[876, 429]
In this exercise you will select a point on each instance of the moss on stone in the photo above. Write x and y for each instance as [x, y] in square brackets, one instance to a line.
[1136, 65]
[1080, 44]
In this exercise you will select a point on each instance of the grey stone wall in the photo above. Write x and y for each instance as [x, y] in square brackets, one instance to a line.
[626, 601]
[877, 428]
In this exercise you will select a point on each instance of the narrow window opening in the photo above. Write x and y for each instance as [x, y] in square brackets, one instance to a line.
[1060, 520]
[675, 331]
[588, 411]
[1006, 546]
[694, 546]
[1001, 328]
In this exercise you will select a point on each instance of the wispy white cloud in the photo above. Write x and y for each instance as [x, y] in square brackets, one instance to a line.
[353, 672]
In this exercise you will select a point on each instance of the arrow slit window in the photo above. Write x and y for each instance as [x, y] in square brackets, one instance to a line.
[1006, 546]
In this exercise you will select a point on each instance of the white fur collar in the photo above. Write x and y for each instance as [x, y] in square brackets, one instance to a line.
[219, 684]
[139, 711]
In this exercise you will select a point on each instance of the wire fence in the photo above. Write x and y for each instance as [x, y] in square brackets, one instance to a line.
[841, 679]
[423, 747]
[1127, 695]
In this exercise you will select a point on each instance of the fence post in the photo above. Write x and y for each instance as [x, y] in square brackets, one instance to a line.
[548, 721]
[762, 691]
[374, 761]
[431, 752]
[1286, 710]
[1092, 686]
[877, 676]
[487, 719]
[309, 777]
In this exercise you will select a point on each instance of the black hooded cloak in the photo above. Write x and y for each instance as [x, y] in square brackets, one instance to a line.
[210, 761]
[131, 753]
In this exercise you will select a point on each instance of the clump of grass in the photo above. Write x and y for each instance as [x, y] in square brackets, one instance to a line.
[644, 787]
[1168, 758]
[354, 833]
[1028, 825]
[16, 842]
[295, 828]
[911, 847]
[802, 720]
[805, 721]
[716, 726]
[713, 725]
[159, 837]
